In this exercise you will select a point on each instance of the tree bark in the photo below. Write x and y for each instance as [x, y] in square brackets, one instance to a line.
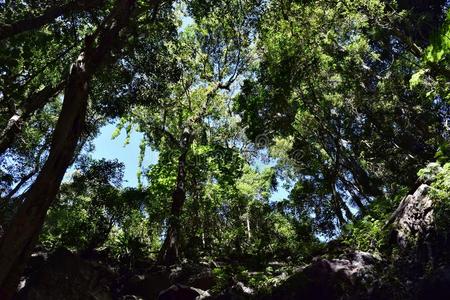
[170, 250]
[353, 190]
[19, 240]
[337, 207]
[21, 236]
[362, 178]
[345, 207]
[35, 22]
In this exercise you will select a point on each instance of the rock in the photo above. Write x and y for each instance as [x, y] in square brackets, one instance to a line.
[243, 289]
[236, 292]
[199, 276]
[130, 297]
[66, 276]
[182, 292]
[413, 220]
[423, 262]
[150, 284]
[348, 277]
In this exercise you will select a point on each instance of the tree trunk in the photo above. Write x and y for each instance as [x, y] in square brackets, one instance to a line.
[338, 211]
[247, 222]
[18, 242]
[361, 177]
[21, 236]
[353, 190]
[35, 22]
[357, 200]
[170, 250]
[339, 205]
[344, 206]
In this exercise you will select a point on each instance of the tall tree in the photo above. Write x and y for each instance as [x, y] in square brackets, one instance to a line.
[18, 242]
[338, 89]
[212, 56]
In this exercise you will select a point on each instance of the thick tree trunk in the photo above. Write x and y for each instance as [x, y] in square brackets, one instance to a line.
[170, 250]
[23, 231]
[20, 238]
[35, 22]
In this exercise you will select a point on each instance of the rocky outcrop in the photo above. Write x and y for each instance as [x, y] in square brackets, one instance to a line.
[423, 262]
[353, 276]
[361, 275]
[413, 220]
[236, 292]
[65, 275]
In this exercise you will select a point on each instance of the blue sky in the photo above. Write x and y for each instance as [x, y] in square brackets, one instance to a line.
[106, 147]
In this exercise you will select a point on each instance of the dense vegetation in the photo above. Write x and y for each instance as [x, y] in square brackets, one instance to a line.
[340, 103]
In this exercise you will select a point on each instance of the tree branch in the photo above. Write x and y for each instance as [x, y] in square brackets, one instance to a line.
[49, 16]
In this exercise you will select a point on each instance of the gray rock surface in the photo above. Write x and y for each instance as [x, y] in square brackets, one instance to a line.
[413, 220]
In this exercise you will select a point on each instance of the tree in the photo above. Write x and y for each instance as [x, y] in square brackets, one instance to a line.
[88, 206]
[21, 235]
[339, 103]
[185, 119]
[340, 93]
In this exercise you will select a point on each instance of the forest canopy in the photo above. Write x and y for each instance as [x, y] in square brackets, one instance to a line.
[339, 103]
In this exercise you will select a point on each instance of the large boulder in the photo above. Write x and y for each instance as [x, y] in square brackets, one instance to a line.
[352, 276]
[413, 221]
[156, 279]
[423, 262]
[148, 285]
[64, 275]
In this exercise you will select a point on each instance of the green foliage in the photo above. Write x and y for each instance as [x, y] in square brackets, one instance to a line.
[440, 191]
[429, 173]
[93, 213]
[132, 241]
[261, 281]
[370, 233]
[443, 153]
[334, 101]
[440, 44]
[367, 234]
[329, 81]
